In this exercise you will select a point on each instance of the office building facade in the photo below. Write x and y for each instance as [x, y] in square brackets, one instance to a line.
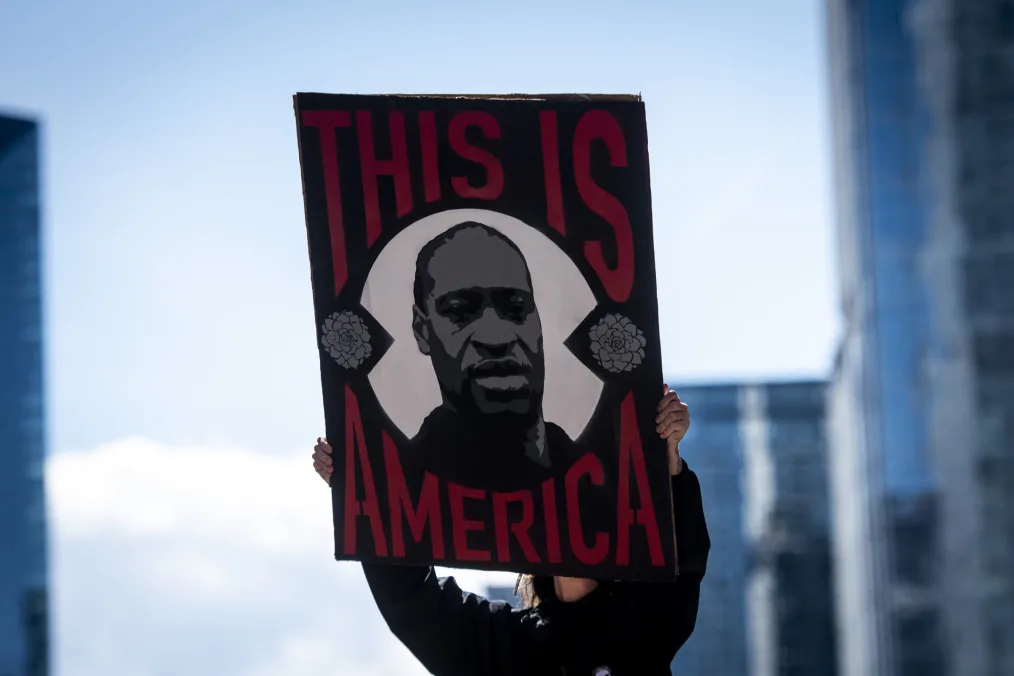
[760, 453]
[713, 448]
[922, 401]
[24, 643]
[790, 588]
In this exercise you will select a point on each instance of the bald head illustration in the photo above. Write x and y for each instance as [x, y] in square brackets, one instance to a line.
[475, 317]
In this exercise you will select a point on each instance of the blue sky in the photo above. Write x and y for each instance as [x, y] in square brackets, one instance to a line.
[179, 302]
[179, 309]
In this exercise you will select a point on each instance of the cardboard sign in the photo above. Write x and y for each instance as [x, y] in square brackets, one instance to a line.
[484, 287]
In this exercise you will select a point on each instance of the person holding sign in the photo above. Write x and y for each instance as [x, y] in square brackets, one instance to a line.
[486, 309]
[566, 625]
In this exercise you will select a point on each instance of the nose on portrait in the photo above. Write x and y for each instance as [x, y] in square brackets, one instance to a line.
[489, 350]
[493, 333]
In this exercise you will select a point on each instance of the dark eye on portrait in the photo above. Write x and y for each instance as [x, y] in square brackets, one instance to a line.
[461, 307]
[465, 306]
[512, 304]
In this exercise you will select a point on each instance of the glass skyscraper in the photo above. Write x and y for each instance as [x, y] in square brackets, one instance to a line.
[713, 448]
[24, 620]
[760, 452]
[790, 589]
[922, 404]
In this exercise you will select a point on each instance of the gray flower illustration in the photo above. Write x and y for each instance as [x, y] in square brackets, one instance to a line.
[617, 344]
[347, 339]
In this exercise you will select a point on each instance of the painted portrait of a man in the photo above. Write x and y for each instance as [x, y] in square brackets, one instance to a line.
[475, 317]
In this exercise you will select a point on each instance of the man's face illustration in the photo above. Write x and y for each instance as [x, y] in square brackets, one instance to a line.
[479, 323]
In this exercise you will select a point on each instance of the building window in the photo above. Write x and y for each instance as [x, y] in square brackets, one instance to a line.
[994, 354]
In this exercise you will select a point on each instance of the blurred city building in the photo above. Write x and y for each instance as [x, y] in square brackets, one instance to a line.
[922, 401]
[24, 620]
[713, 448]
[760, 452]
[497, 593]
[790, 588]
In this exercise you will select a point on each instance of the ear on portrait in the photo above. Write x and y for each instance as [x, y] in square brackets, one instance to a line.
[421, 330]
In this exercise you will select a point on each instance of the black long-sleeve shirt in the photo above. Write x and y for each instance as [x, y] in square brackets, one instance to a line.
[629, 628]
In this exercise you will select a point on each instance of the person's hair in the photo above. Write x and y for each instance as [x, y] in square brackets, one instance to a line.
[524, 589]
[532, 590]
[423, 283]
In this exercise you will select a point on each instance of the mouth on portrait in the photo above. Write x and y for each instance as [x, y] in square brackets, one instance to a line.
[501, 375]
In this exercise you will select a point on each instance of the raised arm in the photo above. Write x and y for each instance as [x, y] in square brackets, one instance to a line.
[664, 614]
[449, 630]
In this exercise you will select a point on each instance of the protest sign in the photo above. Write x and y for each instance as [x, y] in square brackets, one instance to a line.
[484, 287]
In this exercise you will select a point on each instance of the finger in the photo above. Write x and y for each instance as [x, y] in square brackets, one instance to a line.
[665, 390]
[673, 411]
[677, 417]
[671, 429]
[676, 405]
[666, 398]
[673, 407]
[680, 425]
[672, 418]
[662, 402]
[669, 395]
[670, 413]
[669, 424]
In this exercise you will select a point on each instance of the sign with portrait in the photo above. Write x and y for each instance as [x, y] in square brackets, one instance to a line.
[484, 287]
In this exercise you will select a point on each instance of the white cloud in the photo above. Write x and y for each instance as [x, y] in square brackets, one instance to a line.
[214, 560]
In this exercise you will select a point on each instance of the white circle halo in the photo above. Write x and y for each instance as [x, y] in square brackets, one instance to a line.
[403, 379]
